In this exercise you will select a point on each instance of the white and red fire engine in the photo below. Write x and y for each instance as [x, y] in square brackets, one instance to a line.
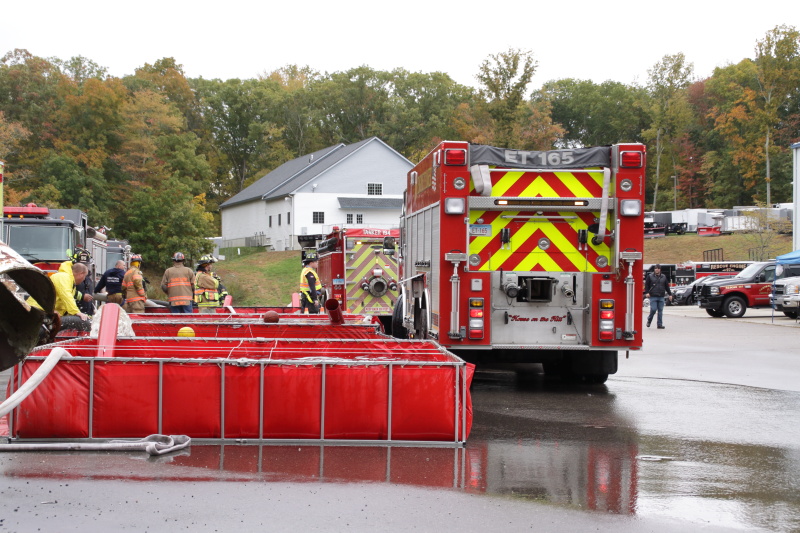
[358, 268]
[521, 256]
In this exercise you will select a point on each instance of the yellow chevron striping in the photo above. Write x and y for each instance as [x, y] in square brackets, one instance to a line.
[539, 185]
[506, 182]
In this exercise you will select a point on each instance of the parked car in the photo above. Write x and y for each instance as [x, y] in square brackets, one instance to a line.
[752, 287]
[685, 295]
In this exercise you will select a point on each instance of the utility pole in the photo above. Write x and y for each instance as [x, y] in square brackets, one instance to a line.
[796, 199]
[675, 193]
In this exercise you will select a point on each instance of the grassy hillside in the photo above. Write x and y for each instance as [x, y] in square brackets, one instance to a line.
[270, 278]
[253, 279]
[690, 247]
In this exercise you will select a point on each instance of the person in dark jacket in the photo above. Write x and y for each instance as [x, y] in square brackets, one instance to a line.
[656, 287]
[112, 283]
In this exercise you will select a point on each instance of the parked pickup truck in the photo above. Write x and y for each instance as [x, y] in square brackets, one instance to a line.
[786, 296]
[732, 296]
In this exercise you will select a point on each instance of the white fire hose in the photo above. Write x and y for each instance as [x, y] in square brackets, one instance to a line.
[153, 444]
[28, 387]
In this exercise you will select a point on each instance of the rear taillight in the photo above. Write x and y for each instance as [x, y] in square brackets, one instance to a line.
[476, 323]
[455, 157]
[631, 159]
[606, 324]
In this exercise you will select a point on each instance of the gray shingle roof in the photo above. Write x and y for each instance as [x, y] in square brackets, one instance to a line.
[293, 174]
[370, 203]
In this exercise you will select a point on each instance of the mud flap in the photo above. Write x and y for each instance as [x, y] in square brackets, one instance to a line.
[593, 363]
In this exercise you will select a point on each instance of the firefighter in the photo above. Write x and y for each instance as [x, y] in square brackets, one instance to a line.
[177, 283]
[310, 286]
[83, 290]
[209, 292]
[133, 286]
[111, 281]
[64, 281]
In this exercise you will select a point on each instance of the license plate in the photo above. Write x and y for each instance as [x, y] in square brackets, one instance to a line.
[480, 230]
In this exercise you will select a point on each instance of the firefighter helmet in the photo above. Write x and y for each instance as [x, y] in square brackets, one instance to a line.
[136, 258]
[178, 256]
[309, 257]
[206, 260]
[81, 255]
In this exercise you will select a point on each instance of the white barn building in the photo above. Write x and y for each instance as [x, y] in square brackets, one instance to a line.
[356, 185]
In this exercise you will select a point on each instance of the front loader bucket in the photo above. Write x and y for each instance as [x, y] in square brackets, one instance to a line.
[19, 322]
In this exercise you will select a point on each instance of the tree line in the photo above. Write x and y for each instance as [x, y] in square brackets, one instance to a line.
[153, 154]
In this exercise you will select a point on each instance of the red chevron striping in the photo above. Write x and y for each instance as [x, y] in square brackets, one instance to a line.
[589, 181]
[519, 185]
[571, 234]
[525, 251]
[561, 189]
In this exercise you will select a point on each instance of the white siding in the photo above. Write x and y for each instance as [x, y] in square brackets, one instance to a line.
[243, 220]
[373, 163]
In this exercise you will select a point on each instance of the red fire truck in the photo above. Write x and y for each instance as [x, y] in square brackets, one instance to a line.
[46, 237]
[357, 267]
[522, 256]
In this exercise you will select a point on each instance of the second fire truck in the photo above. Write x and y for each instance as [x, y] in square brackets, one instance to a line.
[358, 268]
[522, 256]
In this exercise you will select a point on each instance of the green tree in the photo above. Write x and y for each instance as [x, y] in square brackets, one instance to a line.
[158, 221]
[29, 96]
[352, 104]
[778, 74]
[80, 69]
[596, 114]
[240, 117]
[296, 112]
[731, 157]
[420, 114]
[504, 79]
[669, 109]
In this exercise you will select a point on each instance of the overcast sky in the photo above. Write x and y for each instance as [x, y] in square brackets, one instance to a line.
[596, 40]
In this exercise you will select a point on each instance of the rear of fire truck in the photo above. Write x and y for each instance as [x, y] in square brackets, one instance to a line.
[358, 268]
[525, 257]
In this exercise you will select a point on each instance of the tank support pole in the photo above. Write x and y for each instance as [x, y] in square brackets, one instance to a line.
[456, 258]
[630, 284]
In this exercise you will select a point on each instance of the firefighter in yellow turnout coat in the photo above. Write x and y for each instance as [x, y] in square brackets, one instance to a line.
[208, 290]
[310, 286]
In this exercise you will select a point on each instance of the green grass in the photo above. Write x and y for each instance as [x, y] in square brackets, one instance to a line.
[261, 278]
[690, 247]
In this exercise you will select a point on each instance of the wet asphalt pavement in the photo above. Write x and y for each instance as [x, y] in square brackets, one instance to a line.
[698, 432]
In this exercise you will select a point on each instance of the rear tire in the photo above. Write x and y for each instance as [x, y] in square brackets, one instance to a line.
[792, 314]
[421, 322]
[398, 331]
[734, 307]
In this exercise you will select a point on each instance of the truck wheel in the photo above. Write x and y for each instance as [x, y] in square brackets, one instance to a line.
[681, 230]
[398, 331]
[735, 306]
[791, 314]
[716, 313]
[421, 323]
